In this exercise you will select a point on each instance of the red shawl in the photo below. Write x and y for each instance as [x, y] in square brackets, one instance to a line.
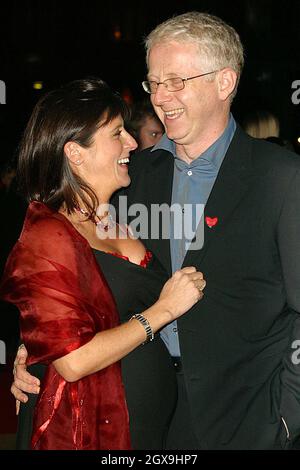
[63, 298]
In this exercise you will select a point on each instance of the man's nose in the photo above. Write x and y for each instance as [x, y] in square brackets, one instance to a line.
[161, 95]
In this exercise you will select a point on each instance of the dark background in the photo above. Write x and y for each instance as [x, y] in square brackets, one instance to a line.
[57, 41]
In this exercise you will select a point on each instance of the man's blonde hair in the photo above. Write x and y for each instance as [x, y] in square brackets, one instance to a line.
[219, 44]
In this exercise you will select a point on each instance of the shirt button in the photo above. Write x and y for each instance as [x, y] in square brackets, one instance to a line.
[190, 173]
[175, 330]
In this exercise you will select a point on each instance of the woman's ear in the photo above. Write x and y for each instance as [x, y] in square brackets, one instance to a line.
[227, 79]
[72, 152]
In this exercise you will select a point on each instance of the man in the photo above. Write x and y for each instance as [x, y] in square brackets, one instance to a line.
[238, 377]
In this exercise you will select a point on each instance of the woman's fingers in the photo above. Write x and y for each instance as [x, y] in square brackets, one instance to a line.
[200, 284]
[188, 270]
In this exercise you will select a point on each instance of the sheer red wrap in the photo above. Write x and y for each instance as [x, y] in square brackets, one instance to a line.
[63, 298]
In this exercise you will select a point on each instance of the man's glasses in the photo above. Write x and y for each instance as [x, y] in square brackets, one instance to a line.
[171, 84]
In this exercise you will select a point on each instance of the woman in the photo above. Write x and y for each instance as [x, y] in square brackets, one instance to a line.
[72, 159]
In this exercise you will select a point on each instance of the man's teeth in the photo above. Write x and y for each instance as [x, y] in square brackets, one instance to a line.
[174, 112]
[123, 160]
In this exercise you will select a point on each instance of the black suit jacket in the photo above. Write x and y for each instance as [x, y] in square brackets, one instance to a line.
[236, 343]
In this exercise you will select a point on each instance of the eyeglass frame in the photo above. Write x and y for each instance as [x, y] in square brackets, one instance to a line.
[166, 85]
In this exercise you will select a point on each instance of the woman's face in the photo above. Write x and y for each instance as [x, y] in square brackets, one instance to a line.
[104, 163]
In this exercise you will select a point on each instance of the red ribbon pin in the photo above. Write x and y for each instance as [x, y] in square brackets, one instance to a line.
[211, 221]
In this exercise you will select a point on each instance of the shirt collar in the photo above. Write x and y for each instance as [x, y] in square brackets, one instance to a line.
[165, 143]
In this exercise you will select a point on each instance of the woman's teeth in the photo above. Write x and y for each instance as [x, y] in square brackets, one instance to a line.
[122, 161]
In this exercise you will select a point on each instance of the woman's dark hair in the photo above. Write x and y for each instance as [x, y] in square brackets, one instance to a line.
[71, 113]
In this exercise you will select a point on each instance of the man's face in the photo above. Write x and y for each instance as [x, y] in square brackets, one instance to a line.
[188, 114]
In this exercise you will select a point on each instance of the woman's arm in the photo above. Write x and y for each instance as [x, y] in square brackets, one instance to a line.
[179, 294]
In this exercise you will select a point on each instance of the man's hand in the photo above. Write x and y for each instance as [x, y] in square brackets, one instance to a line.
[23, 381]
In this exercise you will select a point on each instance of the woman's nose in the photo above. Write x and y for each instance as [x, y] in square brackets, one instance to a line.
[130, 142]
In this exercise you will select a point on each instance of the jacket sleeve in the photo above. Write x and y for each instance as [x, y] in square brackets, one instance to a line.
[289, 248]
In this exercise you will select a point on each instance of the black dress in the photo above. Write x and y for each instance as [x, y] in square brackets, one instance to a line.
[148, 374]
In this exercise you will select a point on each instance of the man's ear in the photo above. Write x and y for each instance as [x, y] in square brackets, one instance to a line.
[227, 79]
[72, 152]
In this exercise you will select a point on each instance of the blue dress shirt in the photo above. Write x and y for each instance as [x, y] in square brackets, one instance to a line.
[192, 184]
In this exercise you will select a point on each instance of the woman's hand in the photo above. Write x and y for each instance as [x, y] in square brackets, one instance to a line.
[182, 291]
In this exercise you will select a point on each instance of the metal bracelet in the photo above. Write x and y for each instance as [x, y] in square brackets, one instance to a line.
[144, 322]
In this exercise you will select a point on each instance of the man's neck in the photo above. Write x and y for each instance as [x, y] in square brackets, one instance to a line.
[190, 152]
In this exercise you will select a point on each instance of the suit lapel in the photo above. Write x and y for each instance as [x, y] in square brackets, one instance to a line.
[160, 180]
[230, 186]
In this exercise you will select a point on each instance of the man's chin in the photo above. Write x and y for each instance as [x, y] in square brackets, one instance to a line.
[174, 134]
